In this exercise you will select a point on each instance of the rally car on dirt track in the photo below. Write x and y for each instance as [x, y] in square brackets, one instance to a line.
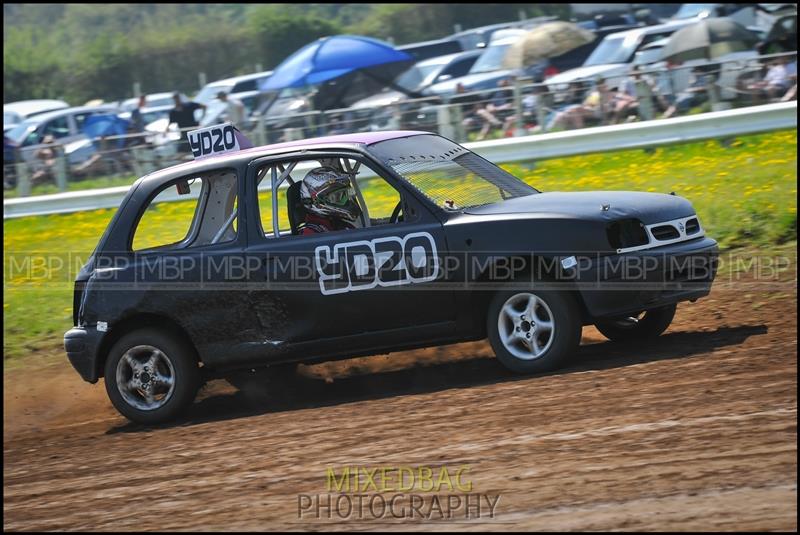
[448, 248]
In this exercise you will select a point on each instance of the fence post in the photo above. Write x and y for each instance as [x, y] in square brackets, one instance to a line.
[261, 130]
[544, 101]
[135, 163]
[518, 130]
[645, 97]
[23, 179]
[61, 169]
[444, 121]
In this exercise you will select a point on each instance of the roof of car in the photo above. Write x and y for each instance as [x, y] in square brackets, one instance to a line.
[646, 30]
[69, 111]
[242, 78]
[28, 107]
[338, 141]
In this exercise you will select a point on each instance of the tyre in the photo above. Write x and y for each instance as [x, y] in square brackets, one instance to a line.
[648, 324]
[151, 376]
[533, 331]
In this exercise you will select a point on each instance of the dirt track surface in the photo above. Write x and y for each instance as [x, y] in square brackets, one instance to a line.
[694, 431]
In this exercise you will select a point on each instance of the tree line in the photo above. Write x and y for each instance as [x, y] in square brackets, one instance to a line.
[79, 52]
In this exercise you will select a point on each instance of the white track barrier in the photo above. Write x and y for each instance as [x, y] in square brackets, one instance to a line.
[721, 124]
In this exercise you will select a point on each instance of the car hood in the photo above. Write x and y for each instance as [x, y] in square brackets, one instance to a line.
[481, 80]
[381, 99]
[649, 208]
[579, 73]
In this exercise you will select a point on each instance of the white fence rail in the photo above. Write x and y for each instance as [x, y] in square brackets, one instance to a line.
[645, 134]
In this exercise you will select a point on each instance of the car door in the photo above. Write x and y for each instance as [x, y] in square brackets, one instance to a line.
[358, 289]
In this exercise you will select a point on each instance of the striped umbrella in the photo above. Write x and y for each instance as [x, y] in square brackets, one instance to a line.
[708, 39]
[546, 41]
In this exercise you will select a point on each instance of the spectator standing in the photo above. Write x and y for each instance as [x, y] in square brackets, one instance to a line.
[137, 122]
[183, 115]
[234, 108]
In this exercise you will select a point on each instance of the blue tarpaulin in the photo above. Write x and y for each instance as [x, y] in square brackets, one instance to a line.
[331, 57]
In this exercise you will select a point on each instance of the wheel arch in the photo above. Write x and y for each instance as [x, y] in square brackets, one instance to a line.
[138, 321]
[528, 267]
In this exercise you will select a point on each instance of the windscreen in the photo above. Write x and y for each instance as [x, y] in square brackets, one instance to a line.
[491, 60]
[449, 175]
[610, 50]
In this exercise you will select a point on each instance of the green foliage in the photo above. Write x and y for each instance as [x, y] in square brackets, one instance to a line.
[279, 30]
[80, 52]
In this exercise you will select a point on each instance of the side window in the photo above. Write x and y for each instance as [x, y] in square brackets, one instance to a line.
[373, 192]
[380, 197]
[249, 85]
[190, 212]
[57, 128]
[459, 68]
[80, 118]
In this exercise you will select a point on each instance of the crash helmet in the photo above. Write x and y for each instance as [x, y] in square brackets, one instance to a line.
[328, 193]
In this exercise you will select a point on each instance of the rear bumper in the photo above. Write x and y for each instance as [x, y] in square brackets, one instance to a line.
[627, 283]
[81, 345]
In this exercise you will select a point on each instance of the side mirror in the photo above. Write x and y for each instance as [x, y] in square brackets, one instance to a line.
[183, 187]
[444, 77]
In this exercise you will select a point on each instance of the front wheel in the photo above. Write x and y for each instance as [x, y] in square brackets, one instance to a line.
[648, 324]
[151, 376]
[533, 331]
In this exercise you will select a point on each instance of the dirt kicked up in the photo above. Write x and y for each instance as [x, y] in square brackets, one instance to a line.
[696, 430]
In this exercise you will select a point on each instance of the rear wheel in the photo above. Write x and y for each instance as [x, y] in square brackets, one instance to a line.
[647, 324]
[533, 331]
[151, 376]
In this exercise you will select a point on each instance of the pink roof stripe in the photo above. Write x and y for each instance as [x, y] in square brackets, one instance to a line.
[360, 138]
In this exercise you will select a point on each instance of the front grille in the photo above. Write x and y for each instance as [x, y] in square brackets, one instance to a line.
[665, 232]
[692, 226]
[626, 233]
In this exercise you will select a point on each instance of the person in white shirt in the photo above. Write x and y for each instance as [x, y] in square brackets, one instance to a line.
[234, 108]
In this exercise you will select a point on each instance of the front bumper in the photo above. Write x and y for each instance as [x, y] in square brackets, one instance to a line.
[81, 345]
[621, 284]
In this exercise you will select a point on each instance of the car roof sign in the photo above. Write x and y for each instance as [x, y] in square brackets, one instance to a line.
[217, 139]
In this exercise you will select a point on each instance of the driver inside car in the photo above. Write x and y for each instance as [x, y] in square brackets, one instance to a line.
[329, 200]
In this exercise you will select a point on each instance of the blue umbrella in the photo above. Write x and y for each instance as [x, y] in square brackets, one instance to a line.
[331, 57]
[106, 124]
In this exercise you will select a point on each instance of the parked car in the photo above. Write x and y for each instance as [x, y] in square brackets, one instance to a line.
[64, 126]
[16, 112]
[467, 252]
[236, 84]
[416, 79]
[152, 100]
[431, 49]
[488, 70]
[612, 58]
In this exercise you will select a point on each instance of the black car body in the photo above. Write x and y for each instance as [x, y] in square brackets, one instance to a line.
[242, 289]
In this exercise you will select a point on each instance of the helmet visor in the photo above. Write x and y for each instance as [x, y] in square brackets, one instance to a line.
[339, 197]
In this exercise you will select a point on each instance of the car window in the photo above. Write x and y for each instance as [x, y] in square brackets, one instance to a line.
[80, 118]
[190, 212]
[458, 68]
[378, 196]
[249, 85]
[58, 127]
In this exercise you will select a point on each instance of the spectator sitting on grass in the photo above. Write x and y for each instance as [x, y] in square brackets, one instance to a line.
[501, 100]
[595, 107]
[775, 83]
[692, 96]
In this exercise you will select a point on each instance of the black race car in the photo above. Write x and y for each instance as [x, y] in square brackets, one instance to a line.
[204, 271]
